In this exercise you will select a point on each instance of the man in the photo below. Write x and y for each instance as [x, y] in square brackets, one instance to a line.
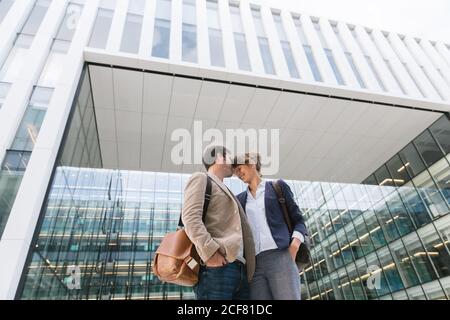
[224, 241]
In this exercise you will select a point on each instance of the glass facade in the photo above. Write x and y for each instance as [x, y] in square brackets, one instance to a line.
[16, 158]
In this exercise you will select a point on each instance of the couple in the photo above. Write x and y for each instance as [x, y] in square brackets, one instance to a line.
[244, 243]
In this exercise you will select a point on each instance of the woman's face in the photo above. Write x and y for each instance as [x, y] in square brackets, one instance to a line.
[246, 172]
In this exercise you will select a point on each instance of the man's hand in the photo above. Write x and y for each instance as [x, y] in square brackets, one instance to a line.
[216, 261]
[293, 249]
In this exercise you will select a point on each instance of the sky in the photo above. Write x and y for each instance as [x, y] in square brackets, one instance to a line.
[429, 19]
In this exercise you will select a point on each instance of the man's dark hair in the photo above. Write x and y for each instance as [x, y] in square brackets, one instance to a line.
[210, 155]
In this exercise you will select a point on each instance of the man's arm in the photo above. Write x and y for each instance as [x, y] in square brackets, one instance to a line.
[192, 212]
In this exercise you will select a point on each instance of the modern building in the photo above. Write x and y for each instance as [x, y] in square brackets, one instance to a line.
[91, 91]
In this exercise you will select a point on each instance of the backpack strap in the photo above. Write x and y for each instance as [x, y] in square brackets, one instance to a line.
[282, 201]
[208, 193]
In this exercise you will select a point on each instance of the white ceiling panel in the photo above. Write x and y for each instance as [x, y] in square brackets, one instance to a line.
[261, 105]
[284, 108]
[128, 126]
[106, 124]
[128, 91]
[185, 97]
[102, 86]
[321, 139]
[211, 100]
[129, 155]
[157, 93]
[236, 103]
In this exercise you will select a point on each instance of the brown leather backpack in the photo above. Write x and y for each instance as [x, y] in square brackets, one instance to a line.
[176, 260]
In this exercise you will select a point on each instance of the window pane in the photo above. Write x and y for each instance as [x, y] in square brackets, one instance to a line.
[413, 163]
[441, 132]
[99, 37]
[16, 59]
[4, 89]
[5, 5]
[36, 17]
[189, 53]
[334, 66]
[30, 126]
[54, 65]
[435, 250]
[132, 34]
[216, 48]
[312, 63]
[161, 41]
[70, 22]
[240, 42]
[266, 55]
[428, 148]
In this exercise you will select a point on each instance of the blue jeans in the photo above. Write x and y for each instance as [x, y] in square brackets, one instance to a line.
[223, 283]
[276, 277]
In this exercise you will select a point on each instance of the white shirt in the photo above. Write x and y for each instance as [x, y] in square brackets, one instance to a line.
[256, 215]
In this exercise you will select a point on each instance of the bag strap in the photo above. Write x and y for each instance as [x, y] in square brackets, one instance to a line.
[282, 201]
[208, 193]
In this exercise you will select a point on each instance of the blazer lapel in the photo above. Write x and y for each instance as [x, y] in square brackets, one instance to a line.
[221, 185]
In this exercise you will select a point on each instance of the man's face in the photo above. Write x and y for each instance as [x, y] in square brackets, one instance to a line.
[226, 165]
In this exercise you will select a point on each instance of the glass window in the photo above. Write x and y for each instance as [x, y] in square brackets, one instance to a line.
[70, 23]
[307, 48]
[428, 148]
[440, 172]
[404, 264]
[131, 38]
[5, 5]
[36, 17]
[431, 194]
[4, 89]
[411, 158]
[420, 258]
[54, 65]
[349, 57]
[28, 131]
[263, 42]
[240, 40]
[161, 41]
[286, 47]
[16, 58]
[189, 31]
[215, 34]
[441, 132]
[393, 277]
[435, 250]
[100, 32]
[329, 53]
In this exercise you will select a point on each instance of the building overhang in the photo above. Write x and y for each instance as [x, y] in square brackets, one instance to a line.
[326, 133]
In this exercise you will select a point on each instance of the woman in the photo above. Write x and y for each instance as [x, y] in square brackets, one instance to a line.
[276, 276]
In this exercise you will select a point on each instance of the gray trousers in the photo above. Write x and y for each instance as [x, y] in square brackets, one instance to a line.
[276, 277]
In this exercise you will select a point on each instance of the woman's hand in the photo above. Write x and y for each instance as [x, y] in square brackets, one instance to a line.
[293, 249]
